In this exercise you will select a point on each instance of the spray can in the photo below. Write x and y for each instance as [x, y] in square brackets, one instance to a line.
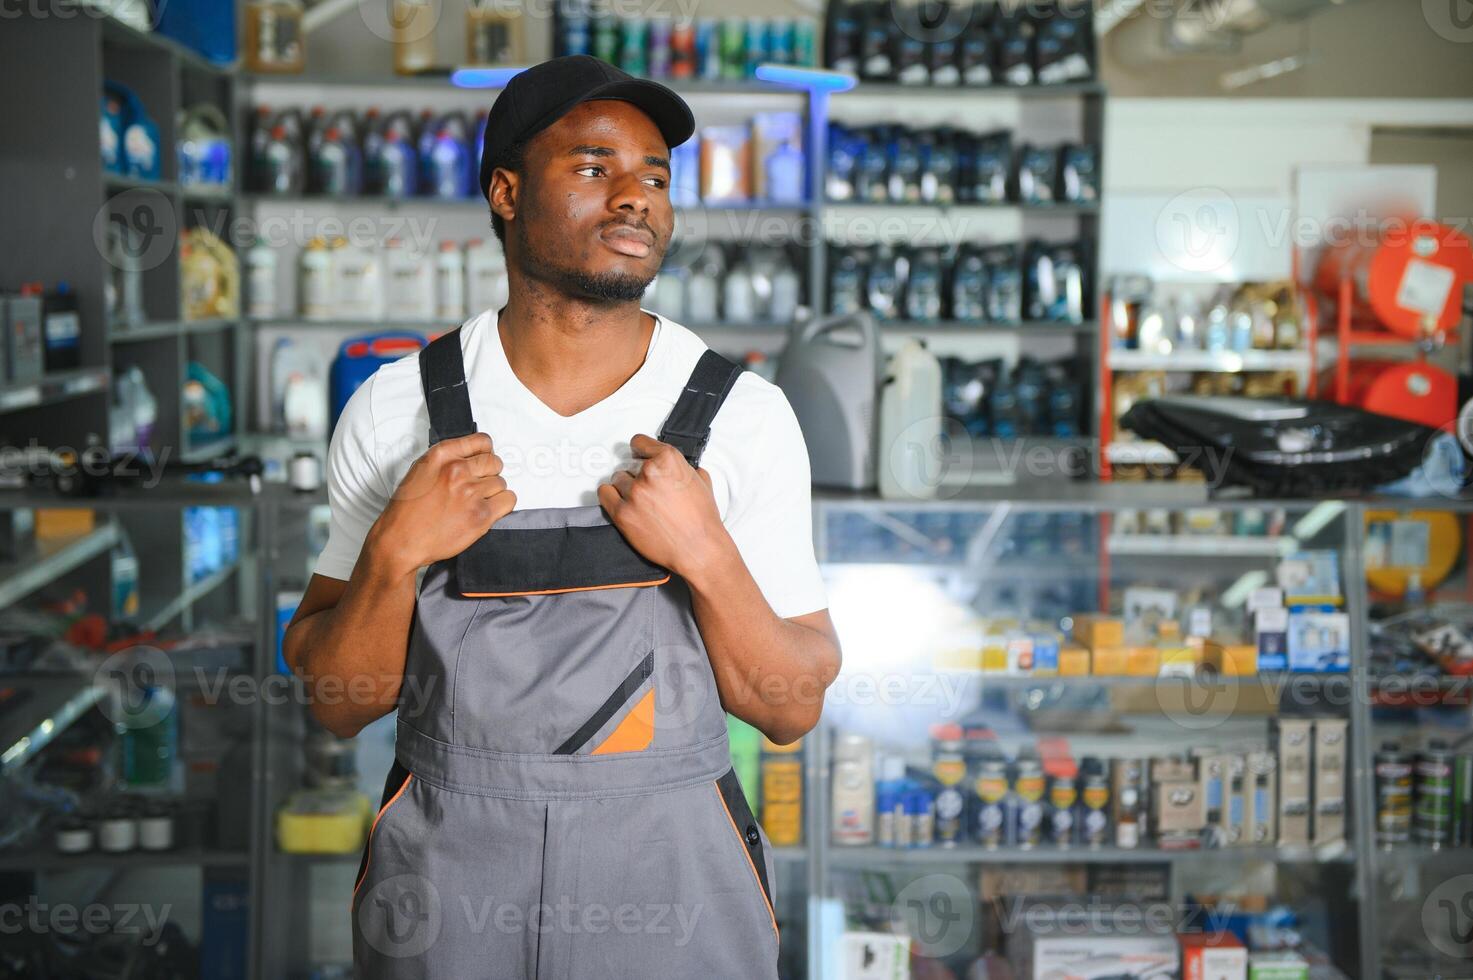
[950, 770]
[1028, 806]
[1063, 795]
[1462, 800]
[708, 49]
[1393, 769]
[991, 787]
[1094, 822]
[1433, 796]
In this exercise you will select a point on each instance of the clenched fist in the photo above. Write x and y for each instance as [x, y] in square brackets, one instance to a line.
[667, 512]
[448, 499]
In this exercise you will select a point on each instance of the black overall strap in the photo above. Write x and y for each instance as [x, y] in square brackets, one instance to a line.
[689, 424]
[442, 372]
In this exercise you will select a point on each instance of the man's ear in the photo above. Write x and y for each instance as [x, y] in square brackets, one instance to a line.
[503, 192]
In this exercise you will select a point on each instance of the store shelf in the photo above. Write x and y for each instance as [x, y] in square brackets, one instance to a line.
[38, 860]
[920, 207]
[863, 857]
[203, 452]
[57, 386]
[1227, 362]
[892, 90]
[47, 563]
[1050, 328]
[118, 182]
[351, 324]
[441, 81]
[170, 610]
[207, 192]
[479, 204]
[122, 333]
[1201, 546]
[114, 31]
[37, 710]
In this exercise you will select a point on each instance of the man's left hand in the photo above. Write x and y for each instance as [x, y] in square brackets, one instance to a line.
[666, 512]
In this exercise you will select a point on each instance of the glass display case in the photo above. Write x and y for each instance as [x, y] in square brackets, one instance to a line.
[1420, 656]
[1075, 735]
[128, 728]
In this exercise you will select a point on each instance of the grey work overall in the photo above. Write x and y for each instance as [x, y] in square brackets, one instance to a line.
[562, 802]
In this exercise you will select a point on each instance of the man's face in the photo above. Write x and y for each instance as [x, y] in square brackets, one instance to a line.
[591, 212]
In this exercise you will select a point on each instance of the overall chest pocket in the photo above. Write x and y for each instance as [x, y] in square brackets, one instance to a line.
[559, 656]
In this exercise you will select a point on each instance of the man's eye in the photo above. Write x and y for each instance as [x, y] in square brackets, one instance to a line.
[655, 181]
[591, 170]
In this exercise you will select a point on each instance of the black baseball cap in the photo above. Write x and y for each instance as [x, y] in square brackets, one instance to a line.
[538, 97]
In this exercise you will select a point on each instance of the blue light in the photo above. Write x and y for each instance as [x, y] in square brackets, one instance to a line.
[483, 77]
[815, 79]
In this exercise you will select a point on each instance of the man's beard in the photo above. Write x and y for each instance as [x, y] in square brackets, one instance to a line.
[601, 287]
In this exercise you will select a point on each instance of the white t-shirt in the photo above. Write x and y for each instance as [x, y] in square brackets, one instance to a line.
[756, 455]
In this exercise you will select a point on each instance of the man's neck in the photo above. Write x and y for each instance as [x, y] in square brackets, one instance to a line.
[569, 352]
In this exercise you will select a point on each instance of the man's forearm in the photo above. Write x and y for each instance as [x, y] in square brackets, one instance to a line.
[771, 673]
[352, 655]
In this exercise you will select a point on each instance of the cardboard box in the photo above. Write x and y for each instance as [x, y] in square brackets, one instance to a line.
[1109, 661]
[1234, 801]
[1293, 740]
[1073, 662]
[1230, 659]
[1101, 956]
[1212, 956]
[1259, 782]
[60, 523]
[874, 956]
[1177, 811]
[1178, 661]
[1277, 965]
[1319, 641]
[24, 348]
[1045, 654]
[994, 655]
[1330, 748]
[1271, 636]
[1142, 661]
[1094, 630]
[1211, 773]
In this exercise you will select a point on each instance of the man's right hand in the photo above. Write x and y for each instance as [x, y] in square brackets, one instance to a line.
[448, 499]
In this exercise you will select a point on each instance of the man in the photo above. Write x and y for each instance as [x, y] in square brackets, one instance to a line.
[562, 802]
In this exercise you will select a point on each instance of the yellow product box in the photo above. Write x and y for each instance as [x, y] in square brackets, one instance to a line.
[1168, 631]
[60, 523]
[1073, 662]
[1109, 661]
[1142, 661]
[958, 658]
[1094, 630]
[1178, 661]
[1231, 659]
[782, 793]
[995, 655]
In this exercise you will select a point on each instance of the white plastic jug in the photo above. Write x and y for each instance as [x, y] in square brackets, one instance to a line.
[359, 282]
[410, 283]
[316, 290]
[910, 454]
[450, 283]
[486, 286]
